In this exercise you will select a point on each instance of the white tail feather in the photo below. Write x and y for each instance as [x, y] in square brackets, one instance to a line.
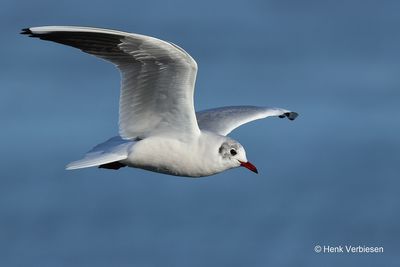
[114, 149]
[94, 159]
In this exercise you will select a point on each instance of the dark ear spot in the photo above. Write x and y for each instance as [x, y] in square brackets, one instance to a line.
[220, 150]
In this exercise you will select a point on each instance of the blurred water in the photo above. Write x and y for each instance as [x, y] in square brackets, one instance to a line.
[328, 178]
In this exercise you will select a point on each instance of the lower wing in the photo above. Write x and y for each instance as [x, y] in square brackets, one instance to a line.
[225, 119]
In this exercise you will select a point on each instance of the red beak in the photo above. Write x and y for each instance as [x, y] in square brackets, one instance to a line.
[249, 166]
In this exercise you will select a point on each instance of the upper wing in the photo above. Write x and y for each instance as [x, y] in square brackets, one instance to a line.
[157, 77]
[223, 120]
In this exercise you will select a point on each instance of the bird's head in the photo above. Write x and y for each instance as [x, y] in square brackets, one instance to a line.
[233, 155]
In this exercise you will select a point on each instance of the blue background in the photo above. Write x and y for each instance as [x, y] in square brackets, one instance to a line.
[330, 178]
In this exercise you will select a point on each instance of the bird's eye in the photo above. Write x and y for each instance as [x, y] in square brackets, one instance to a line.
[233, 152]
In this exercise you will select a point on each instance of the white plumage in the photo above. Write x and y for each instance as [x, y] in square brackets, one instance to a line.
[158, 127]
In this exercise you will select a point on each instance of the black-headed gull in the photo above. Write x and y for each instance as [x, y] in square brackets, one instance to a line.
[159, 129]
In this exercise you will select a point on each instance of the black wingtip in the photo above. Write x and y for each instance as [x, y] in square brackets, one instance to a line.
[26, 31]
[291, 115]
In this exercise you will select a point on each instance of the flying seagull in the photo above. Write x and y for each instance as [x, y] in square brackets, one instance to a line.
[159, 129]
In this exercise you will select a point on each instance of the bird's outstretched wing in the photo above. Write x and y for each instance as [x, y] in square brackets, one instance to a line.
[158, 77]
[225, 119]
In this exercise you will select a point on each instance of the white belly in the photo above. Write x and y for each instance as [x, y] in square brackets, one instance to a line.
[174, 157]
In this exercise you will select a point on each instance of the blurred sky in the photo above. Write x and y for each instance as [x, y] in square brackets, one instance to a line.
[330, 178]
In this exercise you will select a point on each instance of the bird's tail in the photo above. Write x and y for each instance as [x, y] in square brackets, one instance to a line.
[107, 154]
